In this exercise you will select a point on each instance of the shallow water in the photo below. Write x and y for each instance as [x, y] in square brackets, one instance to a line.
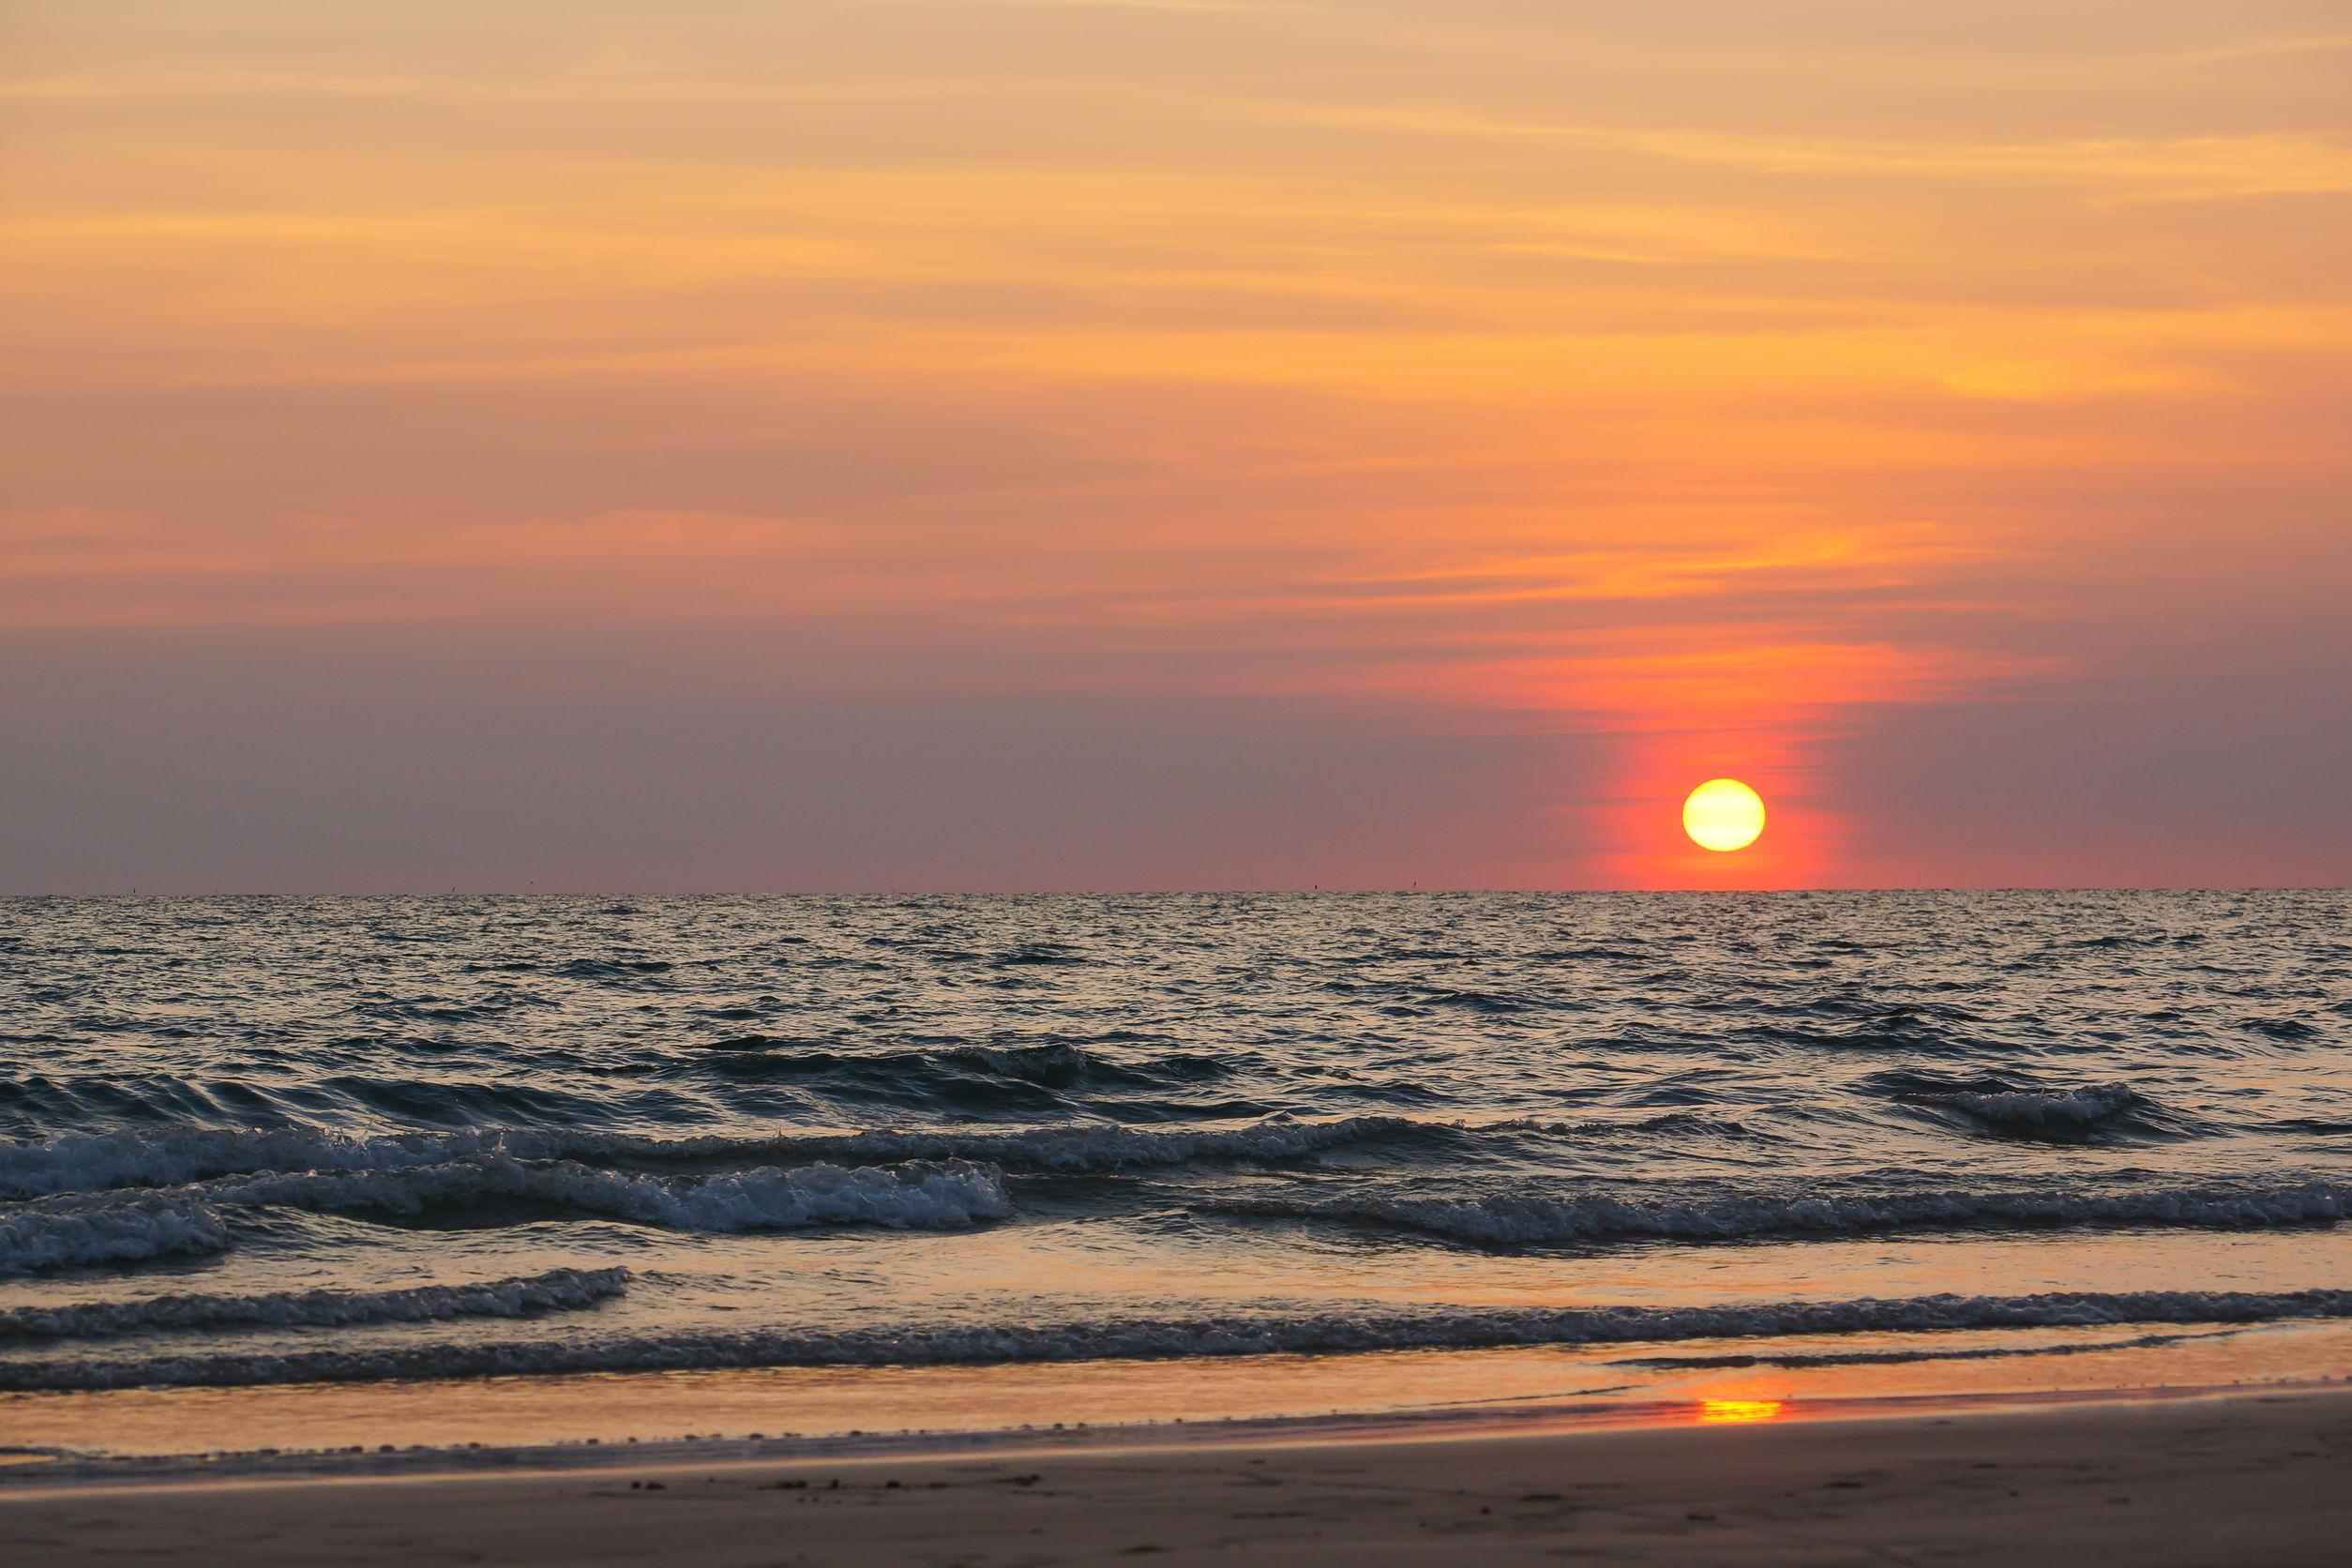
[260, 1141]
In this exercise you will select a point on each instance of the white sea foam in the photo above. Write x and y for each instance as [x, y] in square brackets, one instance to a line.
[1513, 1219]
[125, 1232]
[91, 1162]
[917, 1195]
[557, 1290]
[1160, 1339]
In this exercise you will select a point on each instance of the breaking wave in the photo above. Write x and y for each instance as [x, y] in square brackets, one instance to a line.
[2031, 1109]
[80, 1229]
[917, 1196]
[118, 1232]
[96, 1162]
[1513, 1219]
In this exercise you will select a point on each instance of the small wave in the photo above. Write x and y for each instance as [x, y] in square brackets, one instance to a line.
[76, 1162]
[1060, 1064]
[1052, 1066]
[915, 1196]
[144, 1227]
[2124, 939]
[1410, 997]
[1678, 1125]
[87, 1162]
[1476, 1001]
[1899, 1358]
[2038, 1109]
[1079, 1151]
[1513, 1219]
[918, 1196]
[1166, 1338]
[1870, 1017]
[556, 1290]
[614, 968]
[434, 1009]
[1027, 953]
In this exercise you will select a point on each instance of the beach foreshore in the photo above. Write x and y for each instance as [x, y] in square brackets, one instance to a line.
[2248, 1479]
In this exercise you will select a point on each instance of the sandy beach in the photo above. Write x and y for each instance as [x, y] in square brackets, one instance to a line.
[2262, 1479]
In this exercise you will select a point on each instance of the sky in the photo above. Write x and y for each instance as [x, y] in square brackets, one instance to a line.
[977, 445]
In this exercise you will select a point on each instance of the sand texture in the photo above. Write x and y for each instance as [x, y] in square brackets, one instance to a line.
[2251, 1480]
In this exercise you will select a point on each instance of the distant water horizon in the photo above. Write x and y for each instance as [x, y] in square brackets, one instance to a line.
[274, 1139]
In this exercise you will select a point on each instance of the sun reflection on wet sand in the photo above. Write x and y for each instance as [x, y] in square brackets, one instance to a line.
[1720, 1411]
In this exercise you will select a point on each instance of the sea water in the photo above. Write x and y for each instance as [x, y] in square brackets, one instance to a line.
[375, 1143]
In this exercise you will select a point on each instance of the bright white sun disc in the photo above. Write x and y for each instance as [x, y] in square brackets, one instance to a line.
[1723, 814]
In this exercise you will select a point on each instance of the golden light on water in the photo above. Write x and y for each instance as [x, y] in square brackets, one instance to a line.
[1719, 1412]
[1724, 814]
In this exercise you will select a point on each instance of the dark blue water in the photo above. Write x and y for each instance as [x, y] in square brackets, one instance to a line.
[262, 1140]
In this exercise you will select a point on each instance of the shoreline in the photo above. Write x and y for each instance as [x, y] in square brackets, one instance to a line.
[776, 1414]
[28, 1471]
[2243, 1477]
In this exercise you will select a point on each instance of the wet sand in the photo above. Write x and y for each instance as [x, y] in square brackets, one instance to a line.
[2262, 1479]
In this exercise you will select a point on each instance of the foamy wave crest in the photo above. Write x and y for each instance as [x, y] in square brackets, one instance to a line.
[36, 1238]
[556, 1290]
[1513, 1219]
[946, 1196]
[917, 1196]
[1162, 1338]
[2029, 1108]
[91, 1162]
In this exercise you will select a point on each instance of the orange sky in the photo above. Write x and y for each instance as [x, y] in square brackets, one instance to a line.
[441, 440]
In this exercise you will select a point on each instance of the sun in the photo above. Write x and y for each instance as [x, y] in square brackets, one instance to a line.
[1723, 814]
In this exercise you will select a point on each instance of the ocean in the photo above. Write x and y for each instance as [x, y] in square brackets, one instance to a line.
[1658, 1141]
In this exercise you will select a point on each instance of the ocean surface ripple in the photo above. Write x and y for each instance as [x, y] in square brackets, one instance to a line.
[260, 1141]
